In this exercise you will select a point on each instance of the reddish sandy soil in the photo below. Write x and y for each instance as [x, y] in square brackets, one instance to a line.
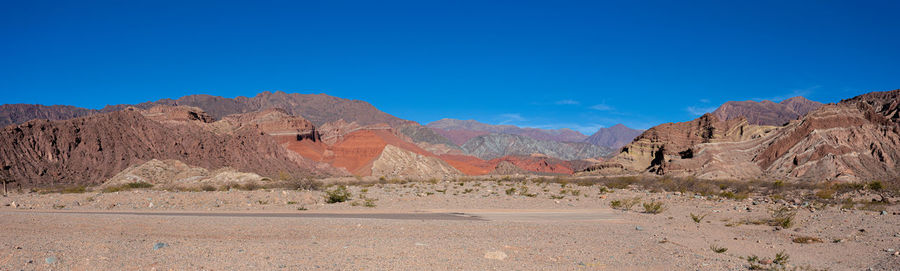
[469, 165]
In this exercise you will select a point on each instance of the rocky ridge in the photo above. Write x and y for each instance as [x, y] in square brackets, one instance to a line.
[766, 112]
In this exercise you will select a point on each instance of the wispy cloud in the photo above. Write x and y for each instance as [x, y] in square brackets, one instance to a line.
[568, 102]
[698, 111]
[511, 118]
[706, 101]
[792, 93]
[602, 107]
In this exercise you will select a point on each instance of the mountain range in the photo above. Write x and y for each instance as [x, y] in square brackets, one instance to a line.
[303, 135]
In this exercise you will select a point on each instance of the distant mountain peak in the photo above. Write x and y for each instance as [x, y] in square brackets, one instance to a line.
[613, 137]
[474, 127]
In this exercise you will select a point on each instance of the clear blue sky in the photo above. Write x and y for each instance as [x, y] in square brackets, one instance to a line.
[556, 64]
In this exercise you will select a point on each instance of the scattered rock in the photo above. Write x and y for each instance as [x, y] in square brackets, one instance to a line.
[51, 260]
[160, 245]
[638, 228]
[13, 204]
[883, 212]
[495, 255]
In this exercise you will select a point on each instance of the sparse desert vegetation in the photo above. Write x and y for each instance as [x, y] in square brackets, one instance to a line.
[722, 220]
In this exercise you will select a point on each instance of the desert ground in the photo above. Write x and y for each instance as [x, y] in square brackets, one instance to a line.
[443, 225]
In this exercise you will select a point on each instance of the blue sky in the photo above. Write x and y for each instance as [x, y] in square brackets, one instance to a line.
[549, 64]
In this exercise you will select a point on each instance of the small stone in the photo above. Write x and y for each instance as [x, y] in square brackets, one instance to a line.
[638, 228]
[51, 260]
[150, 205]
[883, 212]
[765, 261]
[159, 246]
[889, 250]
[754, 203]
[495, 255]
[13, 204]
[29, 261]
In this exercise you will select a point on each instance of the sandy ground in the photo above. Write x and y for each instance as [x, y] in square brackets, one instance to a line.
[424, 226]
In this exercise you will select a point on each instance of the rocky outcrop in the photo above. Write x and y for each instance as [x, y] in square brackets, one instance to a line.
[174, 174]
[659, 144]
[176, 114]
[395, 162]
[275, 122]
[766, 112]
[854, 140]
[89, 150]
[613, 137]
[498, 145]
[559, 135]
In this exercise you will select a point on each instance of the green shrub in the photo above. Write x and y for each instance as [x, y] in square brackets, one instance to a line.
[138, 185]
[511, 190]
[875, 186]
[338, 194]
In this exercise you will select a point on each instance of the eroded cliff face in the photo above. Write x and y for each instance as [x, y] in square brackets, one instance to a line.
[274, 122]
[652, 150]
[89, 150]
[854, 140]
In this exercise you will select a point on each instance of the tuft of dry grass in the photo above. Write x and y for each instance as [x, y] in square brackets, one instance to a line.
[806, 240]
[625, 204]
[717, 249]
[653, 207]
[698, 218]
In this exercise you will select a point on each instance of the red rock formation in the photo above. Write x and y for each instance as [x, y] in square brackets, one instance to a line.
[356, 150]
[89, 150]
[855, 140]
